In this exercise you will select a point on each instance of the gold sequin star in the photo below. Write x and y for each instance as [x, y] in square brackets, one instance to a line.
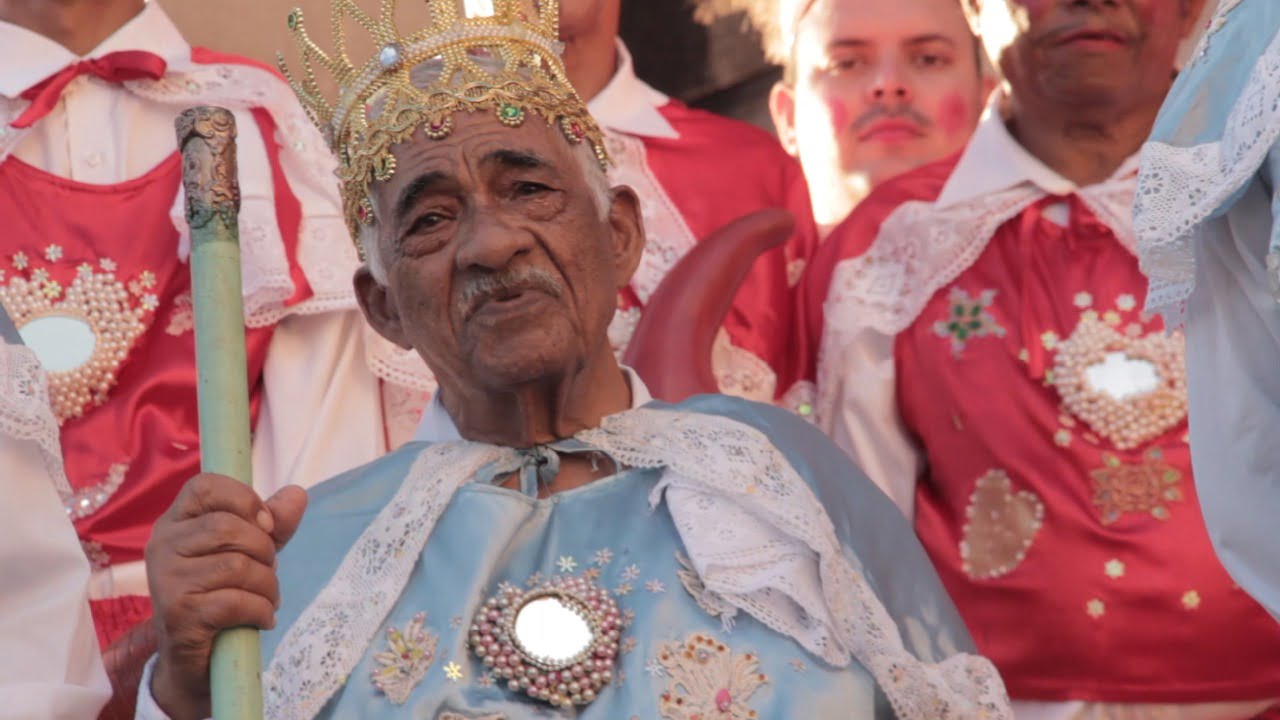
[1114, 569]
[453, 671]
[1191, 600]
[1096, 608]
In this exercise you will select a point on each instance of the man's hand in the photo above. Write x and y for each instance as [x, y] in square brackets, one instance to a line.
[211, 566]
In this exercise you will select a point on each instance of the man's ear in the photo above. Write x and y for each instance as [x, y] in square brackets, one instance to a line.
[627, 226]
[782, 107]
[379, 307]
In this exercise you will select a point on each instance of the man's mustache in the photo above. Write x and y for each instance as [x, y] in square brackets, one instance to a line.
[479, 290]
[891, 112]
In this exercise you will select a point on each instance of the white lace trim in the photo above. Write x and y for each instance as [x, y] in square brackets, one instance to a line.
[779, 560]
[740, 373]
[325, 252]
[922, 247]
[25, 412]
[1180, 187]
[667, 235]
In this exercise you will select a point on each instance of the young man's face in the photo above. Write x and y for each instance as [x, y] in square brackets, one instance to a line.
[878, 88]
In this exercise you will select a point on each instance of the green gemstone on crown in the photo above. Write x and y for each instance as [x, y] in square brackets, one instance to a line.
[510, 112]
[294, 18]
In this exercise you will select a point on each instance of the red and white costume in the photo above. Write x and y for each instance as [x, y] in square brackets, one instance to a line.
[694, 173]
[981, 349]
[94, 231]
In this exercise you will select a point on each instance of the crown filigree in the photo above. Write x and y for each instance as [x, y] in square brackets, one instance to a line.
[506, 62]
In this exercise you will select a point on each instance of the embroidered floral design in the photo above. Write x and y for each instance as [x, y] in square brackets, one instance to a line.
[1095, 608]
[53, 253]
[1000, 526]
[453, 671]
[404, 663]
[566, 564]
[1083, 300]
[1113, 569]
[1146, 487]
[708, 680]
[603, 557]
[968, 318]
[624, 589]
[1191, 600]
[655, 587]
[631, 573]
[1134, 413]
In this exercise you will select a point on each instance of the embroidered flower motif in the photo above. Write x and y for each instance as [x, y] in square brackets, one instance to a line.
[1126, 302]
[455, 622]
[798, 665]
[1114, 569]
[628, 617]
[84, 271]
[708, 680]
[1112, 318]
[1049, 339]
[1191, 600]
[404, 663]
[453, 671]
[20, 261]
[968, 318]
[566, 564]
[1062, 438]
[1095, 608]
[107, 264]
[53, 253]
[591, 573]
[1146, 487]
[628, 645]
[485, 681]
[147, 279]
[603, 557]
[655, 669]
[182, 318]
[655, 586]
[623, 589]
[150, 301]
[1083, 300]
[534, 579]
[632, 572]
[52, 289]
[40, 276]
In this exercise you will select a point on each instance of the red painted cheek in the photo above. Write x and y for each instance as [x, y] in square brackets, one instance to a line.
[954, 115]
[839, 114]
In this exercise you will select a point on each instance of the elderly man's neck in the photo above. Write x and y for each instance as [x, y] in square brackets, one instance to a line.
[78, 25]
[538, 413]
[1084, 145]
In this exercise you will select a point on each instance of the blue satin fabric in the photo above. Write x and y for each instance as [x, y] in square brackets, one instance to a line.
[489, 535]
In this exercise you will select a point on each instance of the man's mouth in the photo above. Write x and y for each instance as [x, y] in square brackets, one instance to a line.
[1094, 39]
[505, 301]
[891, 130]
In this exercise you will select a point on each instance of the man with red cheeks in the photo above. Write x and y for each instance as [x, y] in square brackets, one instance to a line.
[976, 334]
[870, 89]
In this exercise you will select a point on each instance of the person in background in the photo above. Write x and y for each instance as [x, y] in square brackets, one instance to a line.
[870, 89]
[1209, 240]
[977, 336]
[49, 661]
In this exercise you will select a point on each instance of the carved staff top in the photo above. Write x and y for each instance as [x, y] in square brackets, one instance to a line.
[209, 167]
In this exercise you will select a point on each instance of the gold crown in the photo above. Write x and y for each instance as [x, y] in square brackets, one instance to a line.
[507, 62]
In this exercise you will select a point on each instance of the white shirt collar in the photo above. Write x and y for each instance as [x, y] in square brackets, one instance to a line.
[994, 161]
[630, 105]
[437, 426]
[26, 57]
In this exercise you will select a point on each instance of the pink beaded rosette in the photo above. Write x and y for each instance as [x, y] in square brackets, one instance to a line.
[562, 681]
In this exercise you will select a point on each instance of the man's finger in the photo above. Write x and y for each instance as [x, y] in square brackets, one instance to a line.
[232, 570]
[287, 507]
[220, 532]
[207, 493]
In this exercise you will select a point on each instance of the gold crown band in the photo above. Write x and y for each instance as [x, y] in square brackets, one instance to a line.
[508, 63]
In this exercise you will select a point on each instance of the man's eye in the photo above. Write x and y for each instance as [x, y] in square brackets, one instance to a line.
[844, 64]
[931, 60]
[527, 188]
[427, 222]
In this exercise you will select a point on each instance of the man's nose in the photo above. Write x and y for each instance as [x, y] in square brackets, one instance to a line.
[889, 85]
[492, 243]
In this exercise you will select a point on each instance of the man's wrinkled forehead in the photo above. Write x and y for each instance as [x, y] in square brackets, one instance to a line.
[878, 20]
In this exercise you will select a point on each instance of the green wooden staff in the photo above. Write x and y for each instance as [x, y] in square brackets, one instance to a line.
[207, 139]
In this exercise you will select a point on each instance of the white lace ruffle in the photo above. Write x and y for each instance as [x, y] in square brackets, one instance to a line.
[921, 248]
[25, 412]
[779, 560]
[1181, 187]
[325, 252]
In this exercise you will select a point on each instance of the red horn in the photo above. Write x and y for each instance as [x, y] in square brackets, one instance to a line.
[671, 346]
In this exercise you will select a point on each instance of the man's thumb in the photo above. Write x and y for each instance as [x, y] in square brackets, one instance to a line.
[287, 507]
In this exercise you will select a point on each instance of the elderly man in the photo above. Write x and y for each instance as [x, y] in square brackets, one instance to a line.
[871, 89]
[1209, 239]
[984, 355]
[693, 172]
[513, 560]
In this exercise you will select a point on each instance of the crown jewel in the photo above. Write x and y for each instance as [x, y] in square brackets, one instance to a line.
[506, 61]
